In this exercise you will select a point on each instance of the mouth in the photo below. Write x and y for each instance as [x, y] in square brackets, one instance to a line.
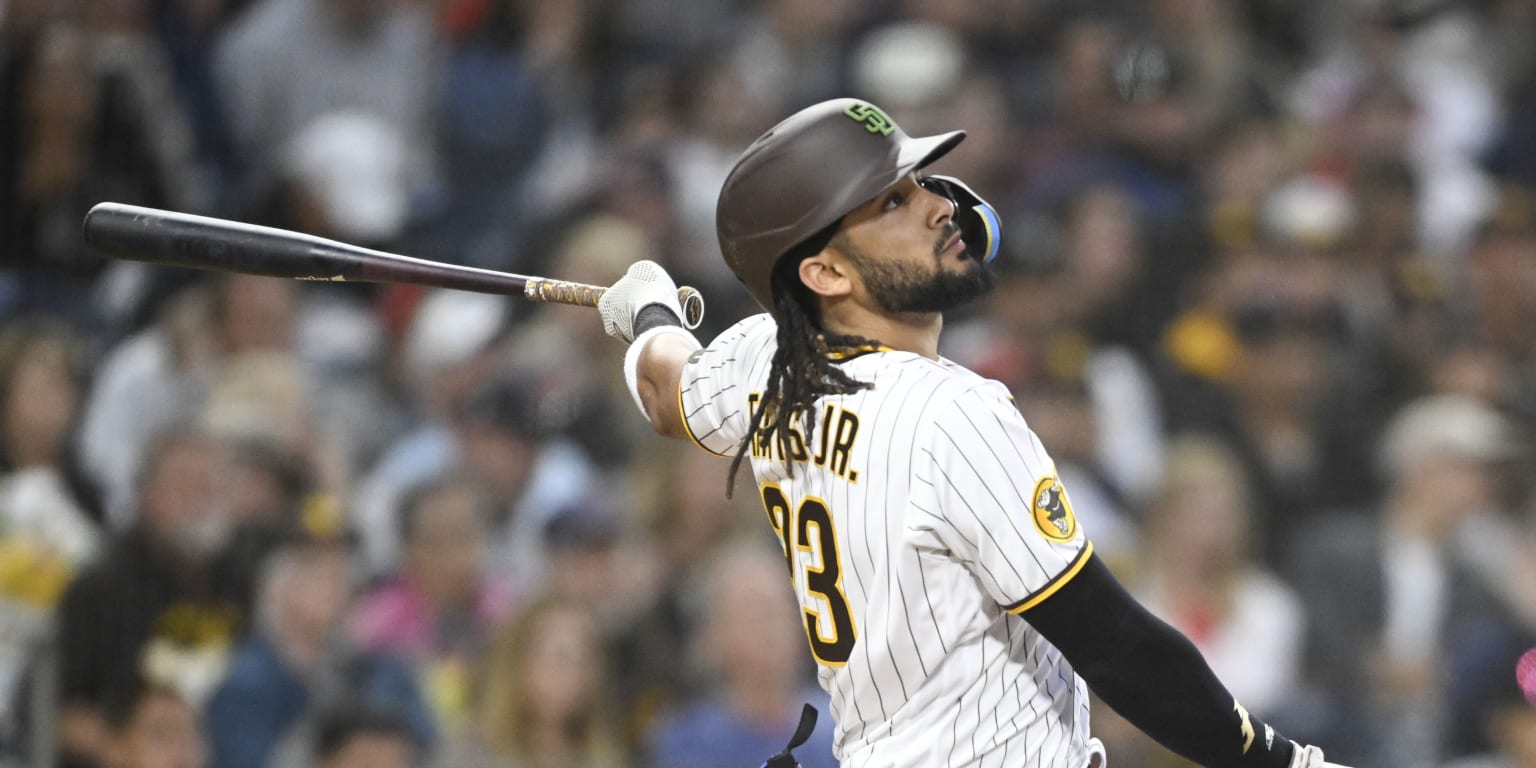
[955, 244]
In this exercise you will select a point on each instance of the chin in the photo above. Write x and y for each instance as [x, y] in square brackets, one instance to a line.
[967, 267]
[953, 289]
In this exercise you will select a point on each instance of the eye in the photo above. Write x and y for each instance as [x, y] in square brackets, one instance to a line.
[894, 201]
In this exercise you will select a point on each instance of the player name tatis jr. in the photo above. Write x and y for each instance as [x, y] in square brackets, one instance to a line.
[838, 427]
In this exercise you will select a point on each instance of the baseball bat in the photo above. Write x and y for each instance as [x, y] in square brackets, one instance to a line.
[186, 240]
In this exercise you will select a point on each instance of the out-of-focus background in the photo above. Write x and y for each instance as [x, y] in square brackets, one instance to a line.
[1268, 295]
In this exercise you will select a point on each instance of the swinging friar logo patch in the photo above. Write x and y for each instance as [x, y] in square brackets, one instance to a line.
[1052, 511]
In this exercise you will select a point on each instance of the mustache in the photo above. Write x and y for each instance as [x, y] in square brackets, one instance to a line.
[950, 230]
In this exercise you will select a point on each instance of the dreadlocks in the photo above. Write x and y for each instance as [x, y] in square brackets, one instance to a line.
[803, 367]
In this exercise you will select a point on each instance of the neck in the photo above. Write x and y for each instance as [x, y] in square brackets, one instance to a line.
[300, 647]
[549, 738]
[304, 653]
[913, 332]
[33, 453]
[1411, 515]
[441, 597]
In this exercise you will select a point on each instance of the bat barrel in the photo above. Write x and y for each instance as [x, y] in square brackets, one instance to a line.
[186, 240]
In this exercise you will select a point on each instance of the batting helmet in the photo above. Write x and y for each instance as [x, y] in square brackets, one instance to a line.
[812, 169]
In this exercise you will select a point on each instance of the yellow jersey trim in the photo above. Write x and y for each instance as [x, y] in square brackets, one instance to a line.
[682, 415]
[1060, 581]
[844, 355]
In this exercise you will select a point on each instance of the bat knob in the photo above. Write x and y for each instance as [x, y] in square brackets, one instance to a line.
[692, 303]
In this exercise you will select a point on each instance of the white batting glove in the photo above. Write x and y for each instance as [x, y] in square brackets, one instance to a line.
[645, 283]
[1309, 757]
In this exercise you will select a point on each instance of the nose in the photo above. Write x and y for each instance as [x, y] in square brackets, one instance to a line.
[942, 208]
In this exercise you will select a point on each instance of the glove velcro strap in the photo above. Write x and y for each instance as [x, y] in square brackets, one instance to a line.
[632, 358]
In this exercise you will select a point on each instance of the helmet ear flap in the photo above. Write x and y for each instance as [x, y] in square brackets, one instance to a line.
[979, 223]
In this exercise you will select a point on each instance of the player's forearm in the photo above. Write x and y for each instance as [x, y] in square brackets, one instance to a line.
[1152, 675]
[659, 370]
[1161, 684]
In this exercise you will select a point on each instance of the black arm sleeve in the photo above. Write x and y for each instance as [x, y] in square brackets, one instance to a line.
[1152, 675]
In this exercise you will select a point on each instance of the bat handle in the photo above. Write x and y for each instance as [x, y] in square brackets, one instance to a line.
[584, 295]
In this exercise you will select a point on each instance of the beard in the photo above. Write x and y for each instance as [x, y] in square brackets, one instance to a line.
[900, 289]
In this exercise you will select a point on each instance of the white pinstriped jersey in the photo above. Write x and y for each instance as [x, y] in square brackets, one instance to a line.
[922, 518]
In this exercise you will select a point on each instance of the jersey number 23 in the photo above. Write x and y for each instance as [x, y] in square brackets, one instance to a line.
[808, 529]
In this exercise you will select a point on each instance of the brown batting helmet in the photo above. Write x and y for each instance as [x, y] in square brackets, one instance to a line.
[806, 173]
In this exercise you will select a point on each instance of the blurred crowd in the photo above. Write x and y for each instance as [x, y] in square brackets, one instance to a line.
[1267, 293]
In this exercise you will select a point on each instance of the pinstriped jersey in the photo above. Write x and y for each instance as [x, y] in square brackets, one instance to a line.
[921, 519]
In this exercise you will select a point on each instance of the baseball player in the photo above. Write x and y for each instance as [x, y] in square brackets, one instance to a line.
[955, 607]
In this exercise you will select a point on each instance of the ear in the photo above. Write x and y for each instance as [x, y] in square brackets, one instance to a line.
[827, 273]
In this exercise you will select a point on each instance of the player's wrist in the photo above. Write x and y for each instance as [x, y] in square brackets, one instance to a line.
[653, 316]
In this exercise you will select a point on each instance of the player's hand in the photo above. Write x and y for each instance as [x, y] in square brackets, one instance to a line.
[1309, 757]
[645, 284]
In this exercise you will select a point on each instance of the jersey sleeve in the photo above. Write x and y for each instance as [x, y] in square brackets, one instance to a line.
[986, 492]
[716, 381]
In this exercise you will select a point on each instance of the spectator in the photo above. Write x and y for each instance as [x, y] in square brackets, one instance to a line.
[345, 175]
[297, 663]
[153, 602]
[1508, 721]
[1200, 574]
[583, 542]
[1266, 379]
[360, 737]
[598, 561]
[749, 643]
[273, 397]
[545, 702]
[1391, 595]
[790, 51]
[42, 383]
[267, 492]
[568, 48]
[153, 726]
[95, 120]
[1496, 302]
[493, 121]
[500, 436]
[161, 375]
[440, 610]
[48, 530]
[187, 31]
[284, 64]
[1413, 84]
